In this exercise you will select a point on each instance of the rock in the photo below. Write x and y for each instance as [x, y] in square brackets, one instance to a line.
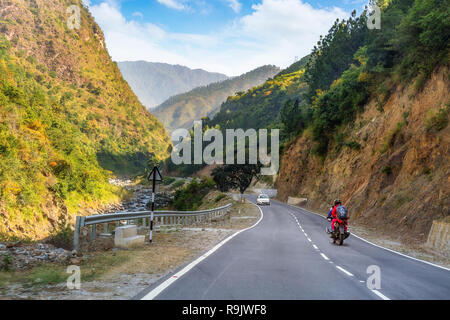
[75, 261]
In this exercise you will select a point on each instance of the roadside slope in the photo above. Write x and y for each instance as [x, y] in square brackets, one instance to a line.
[397, 181]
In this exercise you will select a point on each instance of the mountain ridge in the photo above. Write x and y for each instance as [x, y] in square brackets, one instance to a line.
[181, 110]
[155, 82]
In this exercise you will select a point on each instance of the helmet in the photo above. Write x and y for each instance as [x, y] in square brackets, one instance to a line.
[337, 201]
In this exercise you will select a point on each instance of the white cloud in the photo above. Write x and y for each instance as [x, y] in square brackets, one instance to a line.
[173, 4]
[274, 33]
[138, 14]
[235, 5]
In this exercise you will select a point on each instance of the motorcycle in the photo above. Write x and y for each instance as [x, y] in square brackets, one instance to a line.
[339, 234]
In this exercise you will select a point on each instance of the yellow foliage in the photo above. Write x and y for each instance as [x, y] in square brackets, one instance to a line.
[336, 82]
[363, 77]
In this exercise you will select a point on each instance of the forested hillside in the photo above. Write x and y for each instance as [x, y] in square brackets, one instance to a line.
[374, 130]
[68, 120]
[261, 107]
[365, 118]
[154, 82]
[182, 110]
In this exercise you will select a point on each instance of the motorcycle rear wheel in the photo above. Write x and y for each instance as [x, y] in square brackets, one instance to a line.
[341, 239]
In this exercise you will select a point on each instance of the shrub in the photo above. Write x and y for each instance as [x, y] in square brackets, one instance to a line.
[191, 196]
[439, 120]
[168, 180]
[220, 197]
[177, 184]
[387, 170]
[63, 238]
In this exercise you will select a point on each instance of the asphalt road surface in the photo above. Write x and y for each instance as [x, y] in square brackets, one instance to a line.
[288, 256]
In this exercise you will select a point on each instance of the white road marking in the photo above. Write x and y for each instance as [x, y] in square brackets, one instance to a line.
[315, 247]
[344, 271]
[324, 256]
[378, 293]
[393, 251]
[309, 239]
[156, 291]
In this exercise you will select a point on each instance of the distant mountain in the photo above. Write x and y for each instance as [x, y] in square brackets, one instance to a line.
[153, 83]
[180, 111]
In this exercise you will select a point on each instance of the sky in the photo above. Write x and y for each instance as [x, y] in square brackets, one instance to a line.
[226, 36]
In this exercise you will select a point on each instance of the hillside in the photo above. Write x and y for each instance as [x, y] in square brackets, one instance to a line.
[260, 107]
[67, 117]
[154, 83]
[377, 132]
[180, 111]
[364, 119]
[396, 180]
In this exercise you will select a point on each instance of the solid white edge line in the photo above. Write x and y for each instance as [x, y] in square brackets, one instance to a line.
[324, 256]
[376, 245]
[378, 293]
[156, 291]
[344, 271]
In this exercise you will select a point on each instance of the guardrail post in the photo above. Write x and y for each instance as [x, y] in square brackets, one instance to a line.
[93, 231]
[76, 237]
[105, 227]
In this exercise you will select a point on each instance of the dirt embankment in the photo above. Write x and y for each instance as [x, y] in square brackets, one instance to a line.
[398, 181]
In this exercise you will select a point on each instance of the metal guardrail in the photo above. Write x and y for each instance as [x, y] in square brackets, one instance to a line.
[160, 218]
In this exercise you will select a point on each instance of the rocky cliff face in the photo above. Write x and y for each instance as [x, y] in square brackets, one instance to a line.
[396, 176]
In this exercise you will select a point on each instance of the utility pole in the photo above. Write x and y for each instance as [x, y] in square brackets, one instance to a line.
[154, 176]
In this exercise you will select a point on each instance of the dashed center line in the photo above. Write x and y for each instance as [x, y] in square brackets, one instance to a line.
[324, 256]
[344, 271]
[378, 293]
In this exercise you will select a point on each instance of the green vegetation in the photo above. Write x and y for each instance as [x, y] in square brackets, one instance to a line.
[62, 135]
[260, 107]
[392, 136]
[177, 184]
[190, 197]
[387, 170]
[220, 197]
[181, 110]
[349, 66]
[439, 120]
[168, 181]
[235, 176]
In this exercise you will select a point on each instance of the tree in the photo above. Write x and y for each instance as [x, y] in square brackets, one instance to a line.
[235, 176]
[152, 162]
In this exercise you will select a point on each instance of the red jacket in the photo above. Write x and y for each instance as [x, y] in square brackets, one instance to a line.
[334, 213]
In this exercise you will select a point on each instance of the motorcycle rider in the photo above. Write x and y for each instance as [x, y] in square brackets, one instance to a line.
[329, 218]
[335, 219]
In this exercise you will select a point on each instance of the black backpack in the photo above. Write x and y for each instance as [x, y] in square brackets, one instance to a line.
[342, 212]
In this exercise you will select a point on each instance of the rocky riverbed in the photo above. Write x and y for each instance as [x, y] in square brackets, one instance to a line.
[141, 197]
[17, 256]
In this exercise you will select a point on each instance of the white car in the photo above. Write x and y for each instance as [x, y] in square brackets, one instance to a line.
[263, 199]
